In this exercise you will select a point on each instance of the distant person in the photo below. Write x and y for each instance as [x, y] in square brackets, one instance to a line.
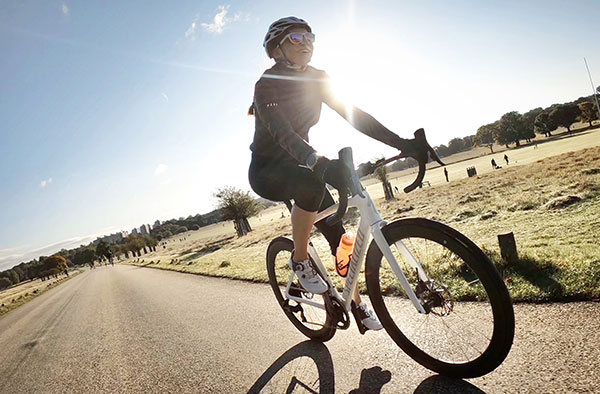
[446, 174]
[396, 189]
[506, 159]
[494, 165]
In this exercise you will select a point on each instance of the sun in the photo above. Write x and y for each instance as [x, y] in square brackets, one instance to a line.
[358, 71]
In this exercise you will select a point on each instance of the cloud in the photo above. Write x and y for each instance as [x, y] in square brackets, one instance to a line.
[220, 20]
[4, 251]
[190, 33]
[160, 169]
[46, 182]
[64, 8]
[7, 262]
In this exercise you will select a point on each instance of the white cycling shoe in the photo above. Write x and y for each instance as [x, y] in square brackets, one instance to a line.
[308, 276]
[368, 317]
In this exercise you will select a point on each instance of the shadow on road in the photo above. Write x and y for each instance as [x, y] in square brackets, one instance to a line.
[438, 384]
[308, 367]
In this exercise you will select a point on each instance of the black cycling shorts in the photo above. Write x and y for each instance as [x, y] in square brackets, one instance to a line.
[285, 180]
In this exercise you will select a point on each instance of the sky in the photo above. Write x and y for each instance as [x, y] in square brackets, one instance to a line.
[114, 114]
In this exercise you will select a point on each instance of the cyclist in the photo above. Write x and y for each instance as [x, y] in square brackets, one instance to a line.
[287, 103]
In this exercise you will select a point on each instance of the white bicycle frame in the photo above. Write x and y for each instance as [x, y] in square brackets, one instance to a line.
[370, 224]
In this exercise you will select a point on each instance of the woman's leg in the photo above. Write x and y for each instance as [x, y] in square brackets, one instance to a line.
[283, 180]
[302, 222]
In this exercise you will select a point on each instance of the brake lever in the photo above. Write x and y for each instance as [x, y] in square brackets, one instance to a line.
[420, 138]
[429, 153]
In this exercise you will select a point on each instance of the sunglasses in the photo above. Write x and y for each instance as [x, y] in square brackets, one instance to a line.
[297, 38]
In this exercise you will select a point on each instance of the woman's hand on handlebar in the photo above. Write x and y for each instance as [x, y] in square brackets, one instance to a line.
[418, 148]
[412, 148]
[334, 172]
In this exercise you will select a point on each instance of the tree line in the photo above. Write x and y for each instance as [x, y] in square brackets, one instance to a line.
[57, 264]
[514, 127]
[233, 205]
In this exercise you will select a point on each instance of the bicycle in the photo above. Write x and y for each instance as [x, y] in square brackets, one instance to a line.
[437, 295]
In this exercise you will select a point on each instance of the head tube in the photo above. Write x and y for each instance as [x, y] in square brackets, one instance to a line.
[354, 186]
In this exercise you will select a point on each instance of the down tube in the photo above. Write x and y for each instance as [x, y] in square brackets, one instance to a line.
[387, 253]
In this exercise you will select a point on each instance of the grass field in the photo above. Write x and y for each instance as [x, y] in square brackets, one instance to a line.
[548, 196]
[16, 296]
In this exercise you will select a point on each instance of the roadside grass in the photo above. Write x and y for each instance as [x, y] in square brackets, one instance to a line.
[16, 296]
[551, 205]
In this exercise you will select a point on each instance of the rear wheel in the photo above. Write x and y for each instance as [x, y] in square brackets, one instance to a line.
[469, 325]
[312, 321]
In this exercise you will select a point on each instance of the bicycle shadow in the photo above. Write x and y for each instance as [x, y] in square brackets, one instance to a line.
[292, 370]
[308, 367]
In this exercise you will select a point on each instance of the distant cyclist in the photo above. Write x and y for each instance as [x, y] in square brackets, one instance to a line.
[287, 103]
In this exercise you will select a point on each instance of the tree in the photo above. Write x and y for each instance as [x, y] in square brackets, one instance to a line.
[135, 243]
[55, 262]
[4, 283]
[381, 174]
[589, 112]
[238, 206]
[456, 145]
[442, 150]
[468, 142]
[23, 271]
[13, 276]
[84, 256]
[565, 115]
[20, 273]
[103, 250]
[511, 129]
[544, 124]
[486, 135]
[529, 118]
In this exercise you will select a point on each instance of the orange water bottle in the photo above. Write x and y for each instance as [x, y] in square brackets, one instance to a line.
[344, 254]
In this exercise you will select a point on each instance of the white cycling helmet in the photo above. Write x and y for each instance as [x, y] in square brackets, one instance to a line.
[278, 28]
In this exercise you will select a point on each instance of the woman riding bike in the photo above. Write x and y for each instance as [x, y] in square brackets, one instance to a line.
[287, 103]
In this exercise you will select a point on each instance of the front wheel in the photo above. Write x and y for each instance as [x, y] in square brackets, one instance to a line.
[313, 321]
[469, 325]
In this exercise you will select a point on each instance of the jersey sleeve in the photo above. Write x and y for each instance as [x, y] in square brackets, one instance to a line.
[266, 104]
[359, 119]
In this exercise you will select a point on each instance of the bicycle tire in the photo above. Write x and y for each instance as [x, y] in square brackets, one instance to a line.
[283, 247]
[454, 247]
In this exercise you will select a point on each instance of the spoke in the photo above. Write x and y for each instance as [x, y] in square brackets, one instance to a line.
[457, 334]
[452, 343]
[470, 325]
[426, 319]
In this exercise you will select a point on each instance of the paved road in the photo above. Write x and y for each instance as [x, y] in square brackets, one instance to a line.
[129, 329]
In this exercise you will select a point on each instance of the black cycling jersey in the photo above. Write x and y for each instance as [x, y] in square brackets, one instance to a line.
[287, 103]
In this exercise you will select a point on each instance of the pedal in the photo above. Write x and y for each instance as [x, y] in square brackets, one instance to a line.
[361, 327]
[342, 320]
